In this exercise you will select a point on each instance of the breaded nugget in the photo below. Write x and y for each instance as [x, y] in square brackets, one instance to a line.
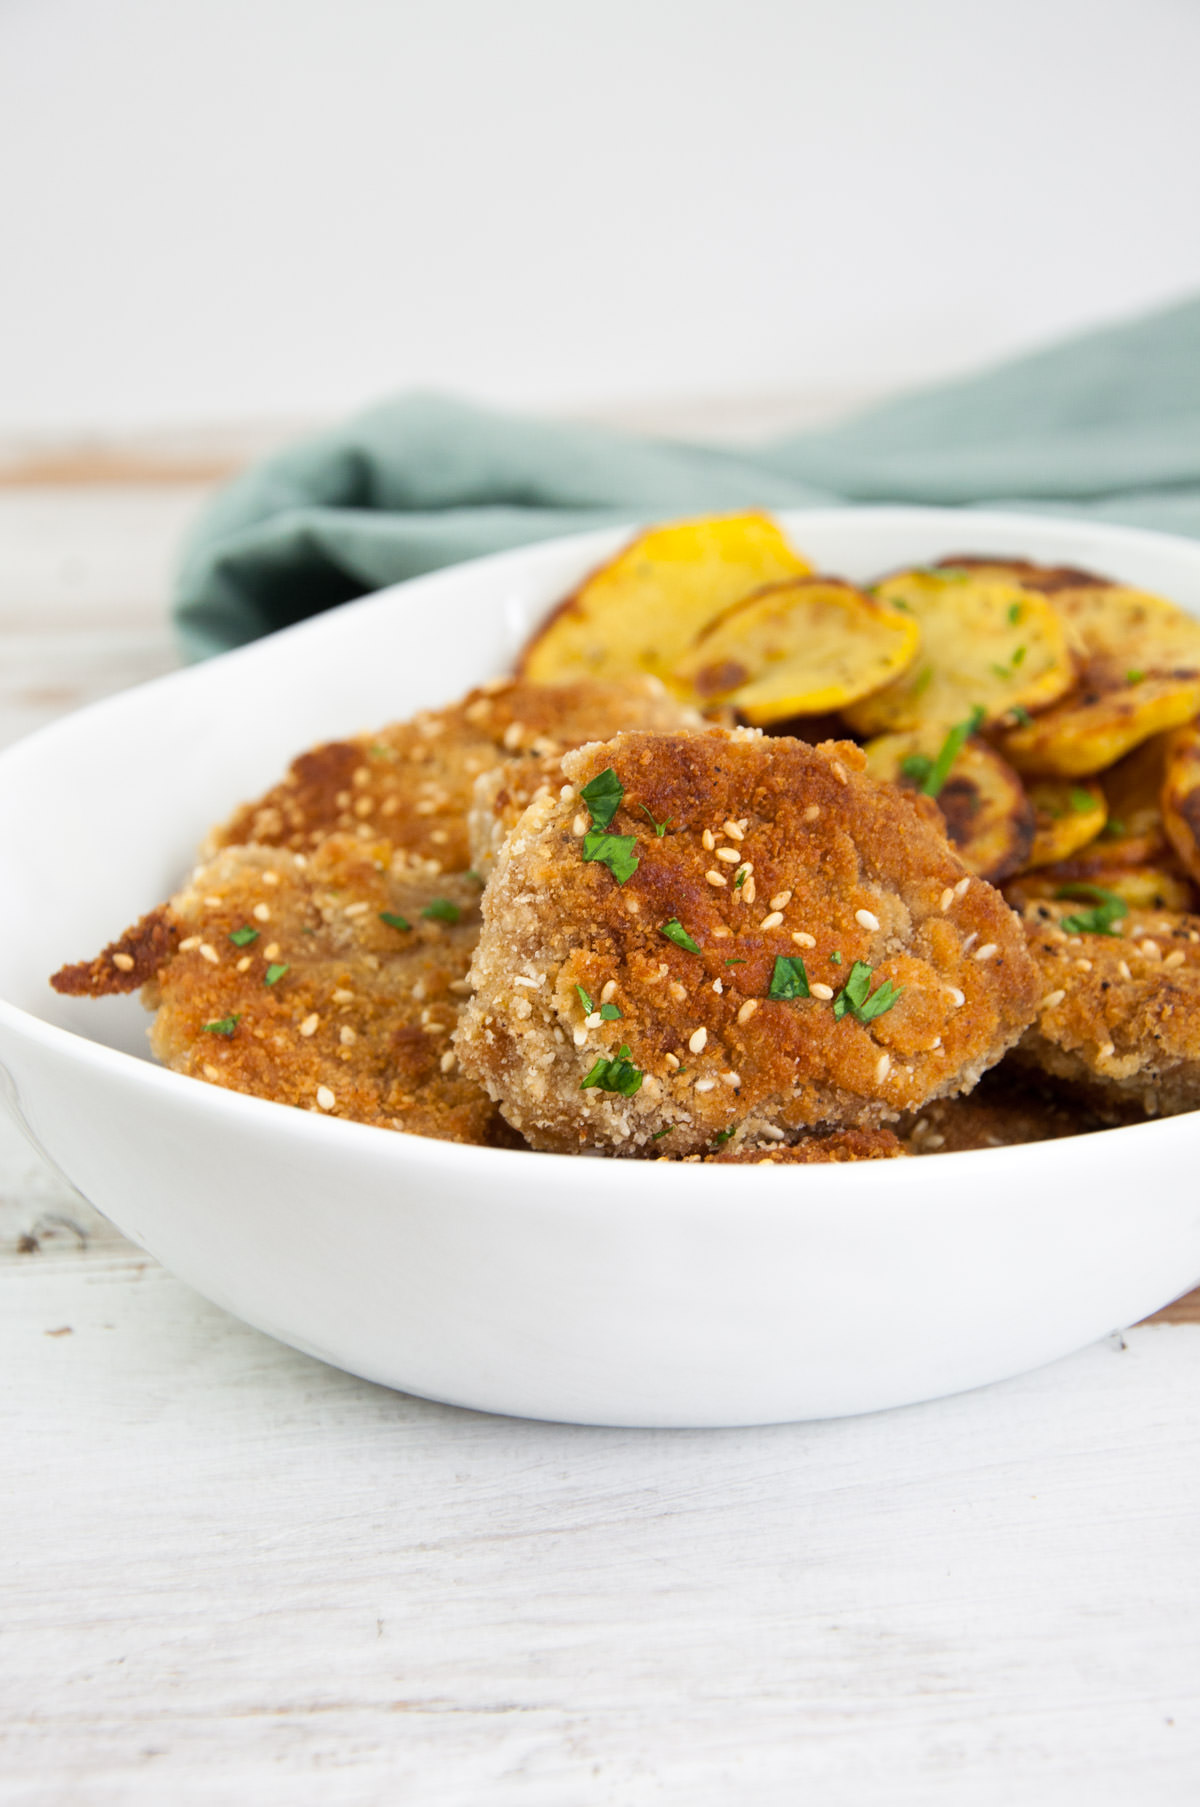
[797, 945]
[1005, 1110]
[412, 781]
[824, 1145]
[328, 983]
[1120, 1012]
[501, 798]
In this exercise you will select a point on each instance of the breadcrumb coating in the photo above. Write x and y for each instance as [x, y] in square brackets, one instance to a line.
[412, 781]
[1119, 1017]
[279, 975]
[762, 851]
[1005, 1109]
[835, 1146]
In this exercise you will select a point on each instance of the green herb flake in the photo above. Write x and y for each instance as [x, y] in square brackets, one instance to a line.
[615, 1075]
[1002, 672]
[1020, 715]
[857, 998]
[275, 972]
[735, 963]
[585, 1000]
[788, 979]
[1109, 910]
[675, 931]
[394, 921]
[476, 878]
[1082, 801]
[724, 1135]
[243, 937]
[377, 750]
[922, 681]
[1135, 676]
[739, 878]
[611, 1013]
[1014, 613]
[440, 909]
[1113, 828]
[1018, 657]
[660, 1133]
[660, 828]
[603, 795]
[616, 851]
[916, 767]
[951, 747]
[224, 1025]
[836, 957]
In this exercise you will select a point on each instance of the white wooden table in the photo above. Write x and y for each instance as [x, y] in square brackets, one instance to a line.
[231, 1574]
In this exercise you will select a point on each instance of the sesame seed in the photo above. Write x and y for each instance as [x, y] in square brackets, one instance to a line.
[447, 1061]
[365, 805]
[1175, 959]
[678, 992]
[439, 837]
[748, 892]
[697, 1040]
[579, 1036]
[986, 951]
[716, 878]
[1052, 998]
[717, 987]
[960, 889]
[747, 1010]
[185, 947]
[957, 998]
[772, 921]
[211, 1072]
[214, 903]
[633, 906]
[356, 909]
[970, 941]
[720, 932]
[513, 735]
[594, 1021]
[731, 1078]
[708, 840]
[1106, 1052]
[243, 965]
[672, 1061]
[947, 898]
[209, 953]
[125, 962]
[882, 1067]
[609, 991]
[529, 984]
[342, 996]
[812, 812]
[1152, 949]
[1085, 966]
[866, 919]
[261, 913]
[838, 770]
[730, 855]
[270, 878]
[705, 1085]
[824, 992]
[346, 1036]
[803, 939]
[271, 951]
[1123, 969]
[579, 826]
[325, 1098]
[781, 900]
[310, 1025]
[735, 830]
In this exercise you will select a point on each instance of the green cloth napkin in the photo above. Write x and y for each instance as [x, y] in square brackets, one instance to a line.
[1106, 425]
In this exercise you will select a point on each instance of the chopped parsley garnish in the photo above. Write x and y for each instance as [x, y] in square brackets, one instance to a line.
[675, 931]
[275, 972]
[1003, 672]
[857, 997]
[1020, 715]
[1109, 909]
[1112, 828]
[1014, 613]
[394, 921]
[476, 878]
[836, 957]
[224, 1025]
[612, 850]
[1135, 676]
[1082, 801]
[659, 1133]
[723, 1135]
[951, 747]
[615, 1075]
[916, 767]
[788, 979]
[660, 828]
[585, 1000]
[735, 963]
[243, 937]
[440, 909]
[378, 751]
[611, 1013]
[922, 681]
[603, 795]
[739, 878]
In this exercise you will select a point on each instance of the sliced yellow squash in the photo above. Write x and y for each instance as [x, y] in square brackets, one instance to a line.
[1067, 817]
[989, 819]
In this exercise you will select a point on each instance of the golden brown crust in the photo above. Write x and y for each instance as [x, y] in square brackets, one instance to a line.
[412, 781]
[828, 1145]
[1120, 1012]
[125, 964]
[825, 851]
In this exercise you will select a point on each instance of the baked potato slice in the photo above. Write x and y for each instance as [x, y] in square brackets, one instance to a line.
[1066, 817]
[989, 819]
[1181, 796]
[642, 611]
[797, 648]
[1140, 677]
[986, 643]
[1163, 886]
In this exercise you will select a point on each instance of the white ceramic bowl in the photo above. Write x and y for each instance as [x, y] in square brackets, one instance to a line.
[543, 1285]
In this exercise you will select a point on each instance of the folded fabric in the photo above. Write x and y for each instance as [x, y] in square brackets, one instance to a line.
[1107, 424]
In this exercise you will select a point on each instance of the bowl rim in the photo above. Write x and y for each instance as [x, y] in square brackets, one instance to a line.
[448, 1157]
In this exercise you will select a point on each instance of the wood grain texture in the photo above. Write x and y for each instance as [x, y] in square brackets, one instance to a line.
[233, 1574]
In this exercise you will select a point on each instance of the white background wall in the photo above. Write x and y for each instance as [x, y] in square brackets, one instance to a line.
[277, 208]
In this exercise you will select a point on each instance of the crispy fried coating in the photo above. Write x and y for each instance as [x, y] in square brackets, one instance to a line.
[276, 974]
[1004, 1110]
[785, 865]
[1120, 1013]
[412, 781]
[501, 797]
[824, 1145]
